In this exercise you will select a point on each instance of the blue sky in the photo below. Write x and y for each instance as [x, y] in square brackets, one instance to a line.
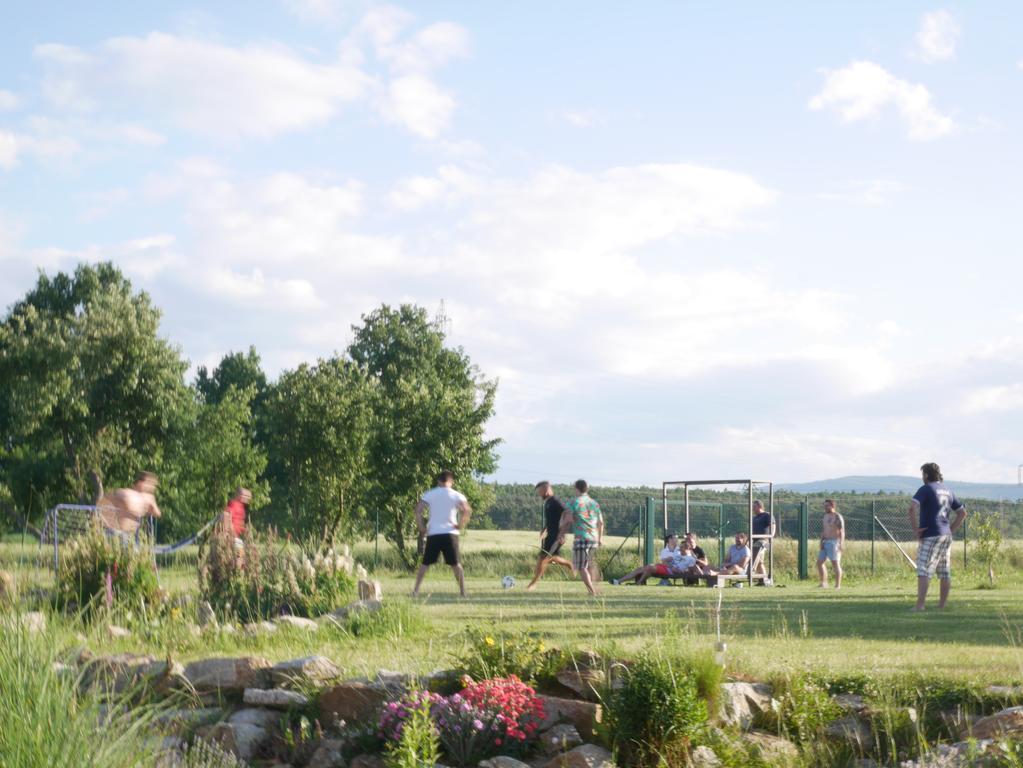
[690, 239]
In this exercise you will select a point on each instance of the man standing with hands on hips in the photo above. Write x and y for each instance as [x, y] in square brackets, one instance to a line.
[449, 515]
[932, 503]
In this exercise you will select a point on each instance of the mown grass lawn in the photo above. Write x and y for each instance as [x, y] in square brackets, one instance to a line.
[865, 628]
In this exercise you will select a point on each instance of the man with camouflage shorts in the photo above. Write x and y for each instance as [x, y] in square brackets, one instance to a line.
[587, 524]
[933, 502]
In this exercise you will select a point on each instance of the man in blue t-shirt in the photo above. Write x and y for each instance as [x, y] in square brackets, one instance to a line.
[929, 513]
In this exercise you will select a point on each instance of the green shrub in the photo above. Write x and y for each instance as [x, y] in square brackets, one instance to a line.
[653, 711]
[491, 653]
[393, 621]
[271, 577]
[85, 563]
[805, 708]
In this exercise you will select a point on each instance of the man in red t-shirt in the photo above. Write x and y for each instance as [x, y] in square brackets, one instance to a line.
[234, 512]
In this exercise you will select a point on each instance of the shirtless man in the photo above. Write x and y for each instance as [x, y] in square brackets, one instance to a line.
[122, 510]
[832, 541]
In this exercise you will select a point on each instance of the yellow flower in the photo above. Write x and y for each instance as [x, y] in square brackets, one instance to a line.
[541, 648]
[488, 640]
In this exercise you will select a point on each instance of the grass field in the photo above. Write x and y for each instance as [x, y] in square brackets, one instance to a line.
[865, 628]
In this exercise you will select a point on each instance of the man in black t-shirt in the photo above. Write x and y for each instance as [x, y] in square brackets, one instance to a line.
[553, 512]
[763, 525]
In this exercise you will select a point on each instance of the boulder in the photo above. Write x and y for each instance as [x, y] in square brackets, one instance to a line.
[244, 740]
[560, 738]
[123, 671]
[328, 755]
[773, 750]
[115, 632]
[583, 715]
[584, 682]
[851, 703]
[297, 622]
[359, 606]
[850, 730]
[351, 702]
[586, 756]
[704, 757]
[308, 669]
[259, 628]
[34, 622]
[264, 718]
[395, 681]
[274, 698]
[373, 761]
[8, 589]
[228, 675]
[178, 721]
[501, 761]
[1008, 721]
[742, 704]
[371, 590]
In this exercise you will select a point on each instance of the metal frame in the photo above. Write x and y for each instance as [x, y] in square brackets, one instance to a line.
[685, 485]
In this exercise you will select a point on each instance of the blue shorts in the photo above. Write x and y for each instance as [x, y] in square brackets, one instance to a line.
[829, 551]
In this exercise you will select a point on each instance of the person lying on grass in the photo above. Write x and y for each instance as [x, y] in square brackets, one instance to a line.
[676, 561]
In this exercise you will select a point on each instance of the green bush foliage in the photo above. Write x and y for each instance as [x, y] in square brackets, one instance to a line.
[86, 561]
[418, 743]
[271, 577]
[489, 653]
[805, 708]
[653, 711]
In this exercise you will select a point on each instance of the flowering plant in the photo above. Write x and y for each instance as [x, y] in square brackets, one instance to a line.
[496, 716]
[496, 654]
[396, 713]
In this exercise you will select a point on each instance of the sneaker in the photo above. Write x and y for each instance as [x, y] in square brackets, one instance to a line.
[664, 583]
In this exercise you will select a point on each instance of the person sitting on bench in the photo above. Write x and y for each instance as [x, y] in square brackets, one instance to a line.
[737, 560]
[702, 566]
[675, 562]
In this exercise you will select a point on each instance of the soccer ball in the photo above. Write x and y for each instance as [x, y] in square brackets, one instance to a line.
[508, 582]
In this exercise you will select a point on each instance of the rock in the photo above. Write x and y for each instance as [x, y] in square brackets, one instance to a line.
[244, 740]
[1008, 721]
[204, 615]
[852, 703]
[704, 757]
[275, 698]
[359, 606]
[773, 750]
[583, 715]
[371, 590]
[394, 681]
[177, 721]
[373, 761]
[264, 718]
[230, 675]
[328, 755]
[115, 632]
[501, 761]
[8, 589]
[119, 672]
[584, 682]
[34, 622]
[297, 622]
[442, 681]
[560, 738]
[308, 669]
[351, 702]
[743, 703]
[260, 628]
[586, 756]
[850, 730]
[1005, 691]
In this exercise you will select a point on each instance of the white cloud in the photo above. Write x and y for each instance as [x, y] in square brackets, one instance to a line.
[8, 101]
[419, 104]
[41, 144]
[241, 287]
[317, 10]
[8, 149]
[872, 192]
[204, 87]
[863, 90]
[995, 398]
[579, 118]
[937, 37]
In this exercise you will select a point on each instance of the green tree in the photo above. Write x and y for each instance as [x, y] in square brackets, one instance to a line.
[238, 370]
[431, 406]
[210, 454]
[987, 540]
[318, 420]
[86, 384]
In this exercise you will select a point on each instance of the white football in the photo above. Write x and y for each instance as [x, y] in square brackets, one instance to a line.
[508, 582]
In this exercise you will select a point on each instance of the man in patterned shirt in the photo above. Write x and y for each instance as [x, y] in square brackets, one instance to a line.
[587, 524]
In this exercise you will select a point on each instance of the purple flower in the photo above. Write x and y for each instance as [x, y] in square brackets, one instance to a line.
[477, 725]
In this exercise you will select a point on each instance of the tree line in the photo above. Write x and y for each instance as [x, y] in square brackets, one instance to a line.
[91, 393]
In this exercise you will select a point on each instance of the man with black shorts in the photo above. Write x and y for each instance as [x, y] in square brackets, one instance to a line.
[442, 529]
[553, 511]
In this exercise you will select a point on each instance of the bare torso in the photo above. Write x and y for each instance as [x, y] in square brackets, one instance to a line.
[123, 509]
[831, 526]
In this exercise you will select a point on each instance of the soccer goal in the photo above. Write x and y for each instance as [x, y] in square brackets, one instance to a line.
[677, 492]
[66, 522]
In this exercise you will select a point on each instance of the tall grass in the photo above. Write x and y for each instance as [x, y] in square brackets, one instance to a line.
[45, 722]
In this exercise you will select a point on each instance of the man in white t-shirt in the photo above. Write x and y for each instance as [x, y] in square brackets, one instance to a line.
[449, 515]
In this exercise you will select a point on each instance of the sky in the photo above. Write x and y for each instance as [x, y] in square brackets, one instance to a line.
[689, 239]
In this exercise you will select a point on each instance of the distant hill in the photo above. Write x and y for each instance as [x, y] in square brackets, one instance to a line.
[905, 484]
